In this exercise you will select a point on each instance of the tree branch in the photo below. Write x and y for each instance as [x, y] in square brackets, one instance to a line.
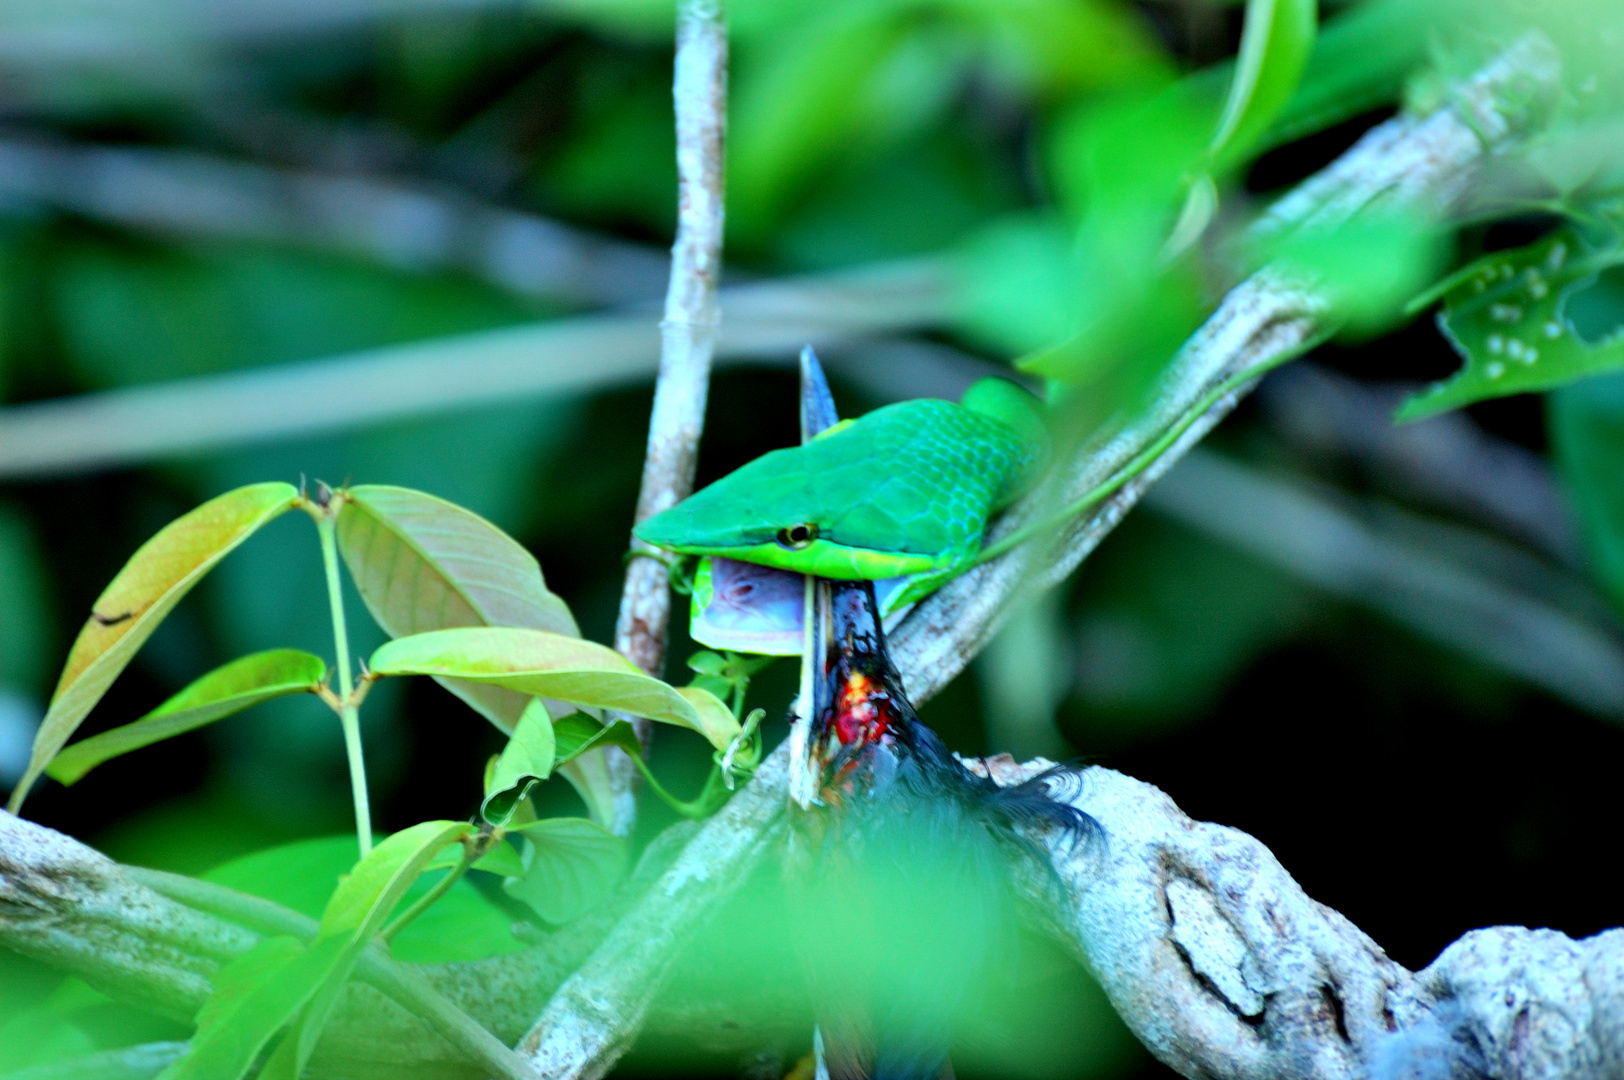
[1223, 967]
[687, 339]
[1416, 161]
[405, 225]
[1207, 948]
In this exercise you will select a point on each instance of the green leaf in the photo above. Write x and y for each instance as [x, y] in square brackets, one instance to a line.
[501, 859]
[225, 690]
[552, 665]
[577, 733]
[1276, 41]
[362, 902]
[421, 563]
[368, 893]
[464, 924]
[155, 579]
[237, 980]
[1524, 320]
[526, 761]
[267, 992]
[253, 1012]
[573, 864]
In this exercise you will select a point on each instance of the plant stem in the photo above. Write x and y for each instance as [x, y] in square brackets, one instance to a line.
[470, 854]
[349, 714]
[688, 335]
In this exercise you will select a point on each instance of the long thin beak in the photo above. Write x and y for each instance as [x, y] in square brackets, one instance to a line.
[817, 415]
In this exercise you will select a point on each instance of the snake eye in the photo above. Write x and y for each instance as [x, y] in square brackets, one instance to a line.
[798, 537]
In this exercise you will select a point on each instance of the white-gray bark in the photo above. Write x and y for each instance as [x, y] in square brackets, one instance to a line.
[688, 336]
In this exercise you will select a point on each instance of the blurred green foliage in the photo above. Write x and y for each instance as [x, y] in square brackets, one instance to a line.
[1049, 148]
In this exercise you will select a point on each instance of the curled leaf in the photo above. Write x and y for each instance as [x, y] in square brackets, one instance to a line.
[526, 761]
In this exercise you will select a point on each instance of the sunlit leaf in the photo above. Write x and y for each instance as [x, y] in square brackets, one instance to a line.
[552, 665]
[1274, 50]
[421, 563]
[155, 579]
[225, 690]
[573, 866]
[1527, 319]
[525, 762]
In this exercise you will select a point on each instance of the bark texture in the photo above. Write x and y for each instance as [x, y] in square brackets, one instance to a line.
[687, 341]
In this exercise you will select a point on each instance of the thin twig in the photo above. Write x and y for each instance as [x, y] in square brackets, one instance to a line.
[688, 336]
[404, 225]
[594, 1016]
[561, 356]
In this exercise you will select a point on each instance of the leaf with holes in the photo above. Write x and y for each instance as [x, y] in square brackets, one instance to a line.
[572, 864]
[552, 665]
[421, 563]
[222, 692]
[155, 579]
[1526, 320]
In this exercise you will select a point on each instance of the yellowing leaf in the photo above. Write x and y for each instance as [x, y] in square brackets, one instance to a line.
[551, 665]
[421, 563]
[228, 689]
[155, 579]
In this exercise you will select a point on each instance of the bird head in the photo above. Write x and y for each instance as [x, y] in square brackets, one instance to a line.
[857, 720]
